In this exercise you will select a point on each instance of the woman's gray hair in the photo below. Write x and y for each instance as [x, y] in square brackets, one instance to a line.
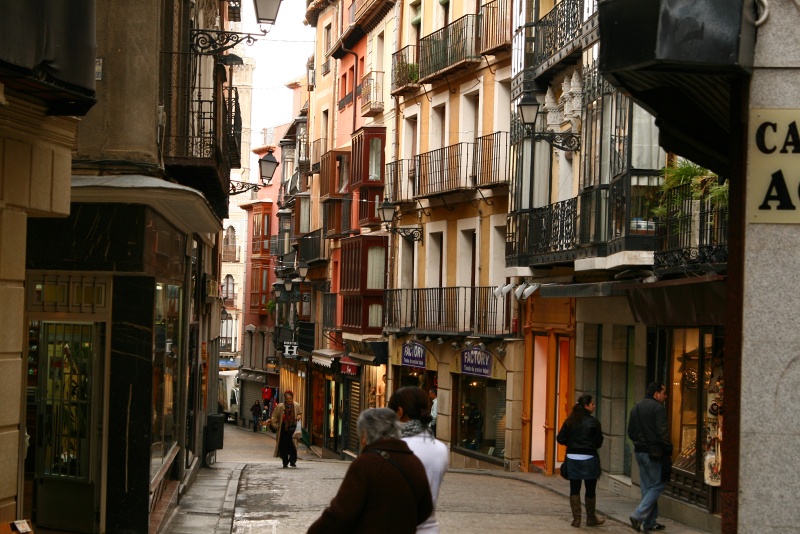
[378, 423]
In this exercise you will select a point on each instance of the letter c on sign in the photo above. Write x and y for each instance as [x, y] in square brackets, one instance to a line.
[760, 137]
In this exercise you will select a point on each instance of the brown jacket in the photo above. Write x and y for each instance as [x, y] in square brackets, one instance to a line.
[375, 497]
[277, 419]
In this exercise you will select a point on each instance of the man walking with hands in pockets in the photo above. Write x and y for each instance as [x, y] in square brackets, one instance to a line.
[647, 428]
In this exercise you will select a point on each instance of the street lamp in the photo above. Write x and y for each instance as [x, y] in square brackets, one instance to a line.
[387, 214]
[528, 109]
[266, 10]
[302, 269]
[267, 166]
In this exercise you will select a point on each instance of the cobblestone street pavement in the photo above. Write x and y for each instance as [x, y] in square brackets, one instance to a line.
[270, 499]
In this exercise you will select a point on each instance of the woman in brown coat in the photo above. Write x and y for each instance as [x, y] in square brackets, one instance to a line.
[284, 422]
[384, 490]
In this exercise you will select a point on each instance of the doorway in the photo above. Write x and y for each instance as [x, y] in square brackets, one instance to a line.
[65, 426]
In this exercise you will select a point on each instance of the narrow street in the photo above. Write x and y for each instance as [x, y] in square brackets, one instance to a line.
[247, 491]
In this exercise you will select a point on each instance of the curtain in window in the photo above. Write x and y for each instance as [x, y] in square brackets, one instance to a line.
[646, 153]
[376, 267]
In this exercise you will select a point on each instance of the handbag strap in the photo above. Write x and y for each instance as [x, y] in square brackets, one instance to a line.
[385, 456]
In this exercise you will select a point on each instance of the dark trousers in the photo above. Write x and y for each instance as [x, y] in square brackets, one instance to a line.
[591, 487]
[286, 447]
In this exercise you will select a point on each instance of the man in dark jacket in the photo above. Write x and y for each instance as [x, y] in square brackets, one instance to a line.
[384, 490]
[647, 428]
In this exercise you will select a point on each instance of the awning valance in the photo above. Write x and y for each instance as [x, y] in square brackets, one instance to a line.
[325, 357]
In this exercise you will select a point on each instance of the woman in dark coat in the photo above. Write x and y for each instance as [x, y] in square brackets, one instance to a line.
[582, 435]
[384, 490]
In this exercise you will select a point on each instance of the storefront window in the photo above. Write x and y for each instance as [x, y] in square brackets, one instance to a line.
[166, 350]
[695, 402]
[482, 417]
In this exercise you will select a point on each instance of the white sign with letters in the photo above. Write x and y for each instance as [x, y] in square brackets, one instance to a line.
[773, 154]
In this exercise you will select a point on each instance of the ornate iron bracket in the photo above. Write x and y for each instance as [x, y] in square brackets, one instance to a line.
[237, 188]
[411, 234]
[566, 141]
[212, 42]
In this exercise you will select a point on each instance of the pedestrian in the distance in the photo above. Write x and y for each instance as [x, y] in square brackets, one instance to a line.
[284, 422]
[385, 488]
[255, 409]
[412, 406]
[434, 396]
[583, 435]
[647, 428]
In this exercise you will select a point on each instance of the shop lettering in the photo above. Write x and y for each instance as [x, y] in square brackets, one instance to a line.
[414, 354]
[778, 192]
[476, 362]
[790, 139]
[477, 358]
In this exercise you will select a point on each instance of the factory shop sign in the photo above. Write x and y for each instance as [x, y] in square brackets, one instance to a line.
[773, 154]
[476, 362]
[413, 354]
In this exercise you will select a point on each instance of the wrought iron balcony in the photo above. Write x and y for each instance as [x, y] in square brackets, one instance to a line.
[453, 47]
[405, 70]
[693, 235]
[326, 67]
[495, 26]
[346, 101]
[401, 179]
[372, 94]
[491, 159]
[312, 247]
[197, 145]
[446, 170]
[233, 127]
[557, 30]
[451, 311]
[546, 235]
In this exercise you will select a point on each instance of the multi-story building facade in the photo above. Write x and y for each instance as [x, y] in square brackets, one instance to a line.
[122, 299]
[47, 81]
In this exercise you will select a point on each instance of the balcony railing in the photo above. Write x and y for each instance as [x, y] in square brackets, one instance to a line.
[448, 311]
[346, 101]
[230, 253]
[491, 159]
[545, 235]
[372, 94]
[405, 70]
[326, 67]
[495, 26]
[329, 305]
[454, 46]
[401, 179]
[560, 27]
[693, 235]
[312, 246]
[446, 169]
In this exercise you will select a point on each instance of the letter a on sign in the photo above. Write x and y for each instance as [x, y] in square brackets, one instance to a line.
[777, 192]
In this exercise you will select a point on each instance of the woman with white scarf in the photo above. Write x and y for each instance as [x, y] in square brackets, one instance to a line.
[413, 409]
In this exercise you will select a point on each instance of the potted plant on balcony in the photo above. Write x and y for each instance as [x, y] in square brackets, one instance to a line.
[688, 185]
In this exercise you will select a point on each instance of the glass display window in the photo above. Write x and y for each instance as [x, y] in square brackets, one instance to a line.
[481, 415]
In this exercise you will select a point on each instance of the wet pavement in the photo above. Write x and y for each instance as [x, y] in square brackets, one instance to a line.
[248, 491]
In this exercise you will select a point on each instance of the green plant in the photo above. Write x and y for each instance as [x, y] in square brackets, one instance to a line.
[270, 306]
[703, 184]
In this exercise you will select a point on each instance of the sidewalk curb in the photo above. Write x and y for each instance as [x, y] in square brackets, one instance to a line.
[229, 503]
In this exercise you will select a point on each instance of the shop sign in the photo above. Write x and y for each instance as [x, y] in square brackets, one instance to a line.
[413, 354]
[773, 153]
[348, 366]
[290, 349]
[476, 362]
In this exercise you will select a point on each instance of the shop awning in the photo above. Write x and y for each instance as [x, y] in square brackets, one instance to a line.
[682, 302]
[325, 357]
[363, 357]
[182, 206]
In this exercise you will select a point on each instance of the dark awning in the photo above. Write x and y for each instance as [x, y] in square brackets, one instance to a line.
[684, 302]
[48, 50]
[680, 61]
[593, 289]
